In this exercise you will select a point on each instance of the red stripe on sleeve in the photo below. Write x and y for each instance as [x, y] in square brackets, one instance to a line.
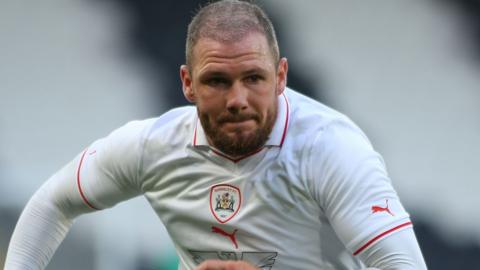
[380, 236]
[78, 183]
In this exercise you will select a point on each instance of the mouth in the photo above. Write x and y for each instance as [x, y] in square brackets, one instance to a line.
[239, 125]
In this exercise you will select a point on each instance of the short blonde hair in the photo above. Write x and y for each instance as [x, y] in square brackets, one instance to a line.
[229, 21]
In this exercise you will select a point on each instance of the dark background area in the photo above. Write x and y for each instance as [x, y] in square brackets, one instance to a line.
[158, 36]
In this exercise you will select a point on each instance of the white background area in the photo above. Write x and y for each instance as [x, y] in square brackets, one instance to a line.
[400, 69]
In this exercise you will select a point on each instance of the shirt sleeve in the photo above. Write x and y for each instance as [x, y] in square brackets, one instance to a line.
[101, 176]
[108, 171]
[353, 189]
[397, 251]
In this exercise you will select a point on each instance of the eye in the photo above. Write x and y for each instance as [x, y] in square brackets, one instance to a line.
[253, 79]
[217, 82]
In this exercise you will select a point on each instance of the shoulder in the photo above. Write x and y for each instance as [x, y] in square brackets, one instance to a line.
[174, 117]
[135, 133]
[172, 127]
[315, 124]
[308, 114]
[123, 149]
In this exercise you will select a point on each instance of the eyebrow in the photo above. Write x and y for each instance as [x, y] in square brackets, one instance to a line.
[217, 73]
[214, 74]
[254, 70]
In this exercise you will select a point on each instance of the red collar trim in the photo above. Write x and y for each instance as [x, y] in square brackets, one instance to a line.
[287, 107]
[235, 160]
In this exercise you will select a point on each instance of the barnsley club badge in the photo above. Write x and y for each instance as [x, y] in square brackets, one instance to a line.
[225, 201]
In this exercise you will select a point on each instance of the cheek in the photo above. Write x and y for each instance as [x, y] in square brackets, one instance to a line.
[209, 101]
[268, 107]
[208, 111]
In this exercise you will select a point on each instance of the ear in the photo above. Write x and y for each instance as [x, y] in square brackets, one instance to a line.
[282, 71]
[187, 84]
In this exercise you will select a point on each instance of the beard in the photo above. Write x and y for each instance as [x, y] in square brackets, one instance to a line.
[240, 143]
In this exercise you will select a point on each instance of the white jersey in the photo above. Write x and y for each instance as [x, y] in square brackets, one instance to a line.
[315, 196]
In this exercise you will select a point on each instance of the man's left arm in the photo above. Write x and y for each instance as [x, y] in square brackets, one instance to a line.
[396, 251]
[352, 187]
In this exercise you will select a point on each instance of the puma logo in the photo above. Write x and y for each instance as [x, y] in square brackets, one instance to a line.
[229, 235]
[377, 208]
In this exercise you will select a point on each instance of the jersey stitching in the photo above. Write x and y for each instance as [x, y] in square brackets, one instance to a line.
[140, 158]
[311, 173]
[324, 181]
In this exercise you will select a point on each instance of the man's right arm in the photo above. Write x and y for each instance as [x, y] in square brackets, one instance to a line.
[101, 176]
[45, 221]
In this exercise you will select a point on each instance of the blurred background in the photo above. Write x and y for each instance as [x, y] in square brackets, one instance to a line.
[407, 71]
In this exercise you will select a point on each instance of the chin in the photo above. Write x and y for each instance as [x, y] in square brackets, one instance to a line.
[243, 134]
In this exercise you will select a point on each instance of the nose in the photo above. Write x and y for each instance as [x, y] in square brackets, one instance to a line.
[237, 98]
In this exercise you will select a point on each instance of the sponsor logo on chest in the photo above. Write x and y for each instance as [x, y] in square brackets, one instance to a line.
[225, 202]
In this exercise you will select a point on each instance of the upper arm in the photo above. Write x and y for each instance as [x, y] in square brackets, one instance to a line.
[99, 177]
[107, 172]
[353, 188]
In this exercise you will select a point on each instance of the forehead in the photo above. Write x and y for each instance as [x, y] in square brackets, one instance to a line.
[250, 50]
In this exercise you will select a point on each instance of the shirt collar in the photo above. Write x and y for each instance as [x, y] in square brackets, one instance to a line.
[277, 136]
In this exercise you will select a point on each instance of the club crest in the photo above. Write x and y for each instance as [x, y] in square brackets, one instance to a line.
[225, 201]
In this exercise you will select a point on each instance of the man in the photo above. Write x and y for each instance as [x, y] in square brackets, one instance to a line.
[255, 176]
